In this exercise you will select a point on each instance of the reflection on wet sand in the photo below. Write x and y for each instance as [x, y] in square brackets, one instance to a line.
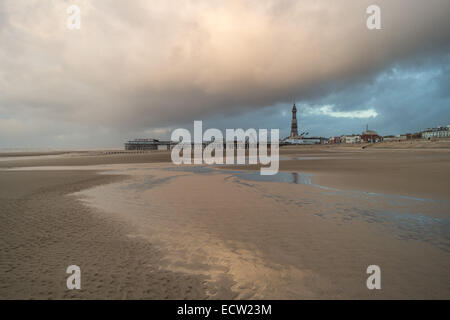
[281, 236]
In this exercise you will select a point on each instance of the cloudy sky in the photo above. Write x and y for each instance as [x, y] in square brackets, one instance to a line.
[145, 67]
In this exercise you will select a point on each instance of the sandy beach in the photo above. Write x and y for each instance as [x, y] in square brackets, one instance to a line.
[140, 227]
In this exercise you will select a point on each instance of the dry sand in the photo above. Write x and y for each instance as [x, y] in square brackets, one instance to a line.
[144, 229]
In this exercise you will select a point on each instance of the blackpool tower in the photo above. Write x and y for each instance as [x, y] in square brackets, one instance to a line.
[294, 127]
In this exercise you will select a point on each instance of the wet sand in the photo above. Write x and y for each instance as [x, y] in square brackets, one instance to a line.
[44, 230]
[141, 228]
[415, 173]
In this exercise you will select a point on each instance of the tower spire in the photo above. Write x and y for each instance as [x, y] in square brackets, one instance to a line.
[294, 124]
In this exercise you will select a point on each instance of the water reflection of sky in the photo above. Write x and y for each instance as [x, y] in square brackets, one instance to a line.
[395, 213]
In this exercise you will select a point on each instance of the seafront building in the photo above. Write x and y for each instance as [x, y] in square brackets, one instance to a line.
[334, 140]
[438, 132]
[354, 138]
[370, 136]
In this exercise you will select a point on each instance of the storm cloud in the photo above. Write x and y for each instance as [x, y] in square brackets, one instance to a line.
[144, 67]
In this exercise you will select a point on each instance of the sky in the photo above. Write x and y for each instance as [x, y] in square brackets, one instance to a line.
[143, 68]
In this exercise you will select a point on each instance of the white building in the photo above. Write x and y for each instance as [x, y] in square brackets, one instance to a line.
[351, 139]
[439, 132]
